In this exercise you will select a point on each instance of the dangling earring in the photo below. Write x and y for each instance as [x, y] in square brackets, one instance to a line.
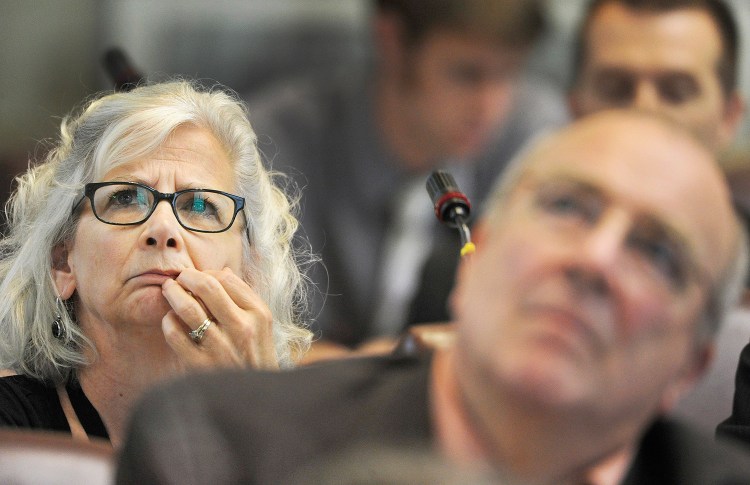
[58, 328]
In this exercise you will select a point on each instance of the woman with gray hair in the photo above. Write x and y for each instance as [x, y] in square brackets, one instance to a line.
[107, 291]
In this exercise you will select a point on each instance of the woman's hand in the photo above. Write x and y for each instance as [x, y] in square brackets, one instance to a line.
[242, 330]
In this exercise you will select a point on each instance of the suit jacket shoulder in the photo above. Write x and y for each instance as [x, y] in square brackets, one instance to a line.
[673, 453]
[256, 427]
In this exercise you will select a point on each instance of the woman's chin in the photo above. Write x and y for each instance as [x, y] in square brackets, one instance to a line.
[149, 310]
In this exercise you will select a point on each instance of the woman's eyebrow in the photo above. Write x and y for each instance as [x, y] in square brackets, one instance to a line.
[123, 178]
[139, 180]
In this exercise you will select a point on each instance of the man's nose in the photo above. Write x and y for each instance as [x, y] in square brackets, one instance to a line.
[604, 241]
[646, 97]
[492, 100]
[597, 262]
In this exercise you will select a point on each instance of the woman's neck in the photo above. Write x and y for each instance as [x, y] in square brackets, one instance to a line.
[123, 369]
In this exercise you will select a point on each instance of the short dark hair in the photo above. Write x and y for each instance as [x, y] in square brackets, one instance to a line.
[718, 10]
[516, 23]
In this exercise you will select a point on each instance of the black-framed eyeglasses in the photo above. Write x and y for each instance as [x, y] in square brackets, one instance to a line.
[130, 203]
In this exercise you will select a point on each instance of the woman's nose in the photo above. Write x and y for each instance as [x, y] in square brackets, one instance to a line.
[162, 230]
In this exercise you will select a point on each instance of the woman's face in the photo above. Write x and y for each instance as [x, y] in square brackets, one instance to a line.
[117, 271]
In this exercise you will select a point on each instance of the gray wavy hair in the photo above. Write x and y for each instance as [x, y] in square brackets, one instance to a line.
[111, 130]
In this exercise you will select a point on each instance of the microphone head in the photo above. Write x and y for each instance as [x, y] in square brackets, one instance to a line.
[452, 207]
[120, 70]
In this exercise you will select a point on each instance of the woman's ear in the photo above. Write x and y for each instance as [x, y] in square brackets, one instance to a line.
[62, 272]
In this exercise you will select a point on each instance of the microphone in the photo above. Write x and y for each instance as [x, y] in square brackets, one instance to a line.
[120, 70]
[452, 207]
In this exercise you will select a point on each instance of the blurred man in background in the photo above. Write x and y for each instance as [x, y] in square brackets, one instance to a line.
[445, 91]
[675, 57]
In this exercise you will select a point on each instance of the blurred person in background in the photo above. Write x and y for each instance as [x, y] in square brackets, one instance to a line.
[446, 91]
[675, 57]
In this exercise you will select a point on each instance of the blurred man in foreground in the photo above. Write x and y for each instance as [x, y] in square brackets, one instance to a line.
[605, 261]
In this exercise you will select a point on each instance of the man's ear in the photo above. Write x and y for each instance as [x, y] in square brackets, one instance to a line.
[733, 115]
[62, 271]
[697, 368]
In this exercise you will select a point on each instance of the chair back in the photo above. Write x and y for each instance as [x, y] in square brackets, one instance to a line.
[34, 457]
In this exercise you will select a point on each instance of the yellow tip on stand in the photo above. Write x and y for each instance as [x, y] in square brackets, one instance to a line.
[468, 248]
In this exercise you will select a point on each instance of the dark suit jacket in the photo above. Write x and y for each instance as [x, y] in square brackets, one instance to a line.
[737, 426]
[252, 427]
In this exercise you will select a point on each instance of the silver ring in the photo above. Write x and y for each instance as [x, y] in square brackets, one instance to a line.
[198, 333]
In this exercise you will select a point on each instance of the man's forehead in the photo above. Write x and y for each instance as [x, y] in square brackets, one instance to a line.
[629, 149]
[648, 164]
[689, 34]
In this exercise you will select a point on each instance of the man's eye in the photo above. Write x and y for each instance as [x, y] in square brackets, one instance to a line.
[566, 205]
[467, 75]
[678, 89]
[662, 256]
[615, 89]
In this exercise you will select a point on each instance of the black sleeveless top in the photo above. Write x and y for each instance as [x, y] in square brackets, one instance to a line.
[30, 403]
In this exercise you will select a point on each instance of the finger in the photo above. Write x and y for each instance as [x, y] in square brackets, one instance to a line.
[176, 333]
[203, 287]
[248, 300]
[231, 301]
[249, 327]
[217, 288]
[212, 351]
[190, 310]
[238, 289]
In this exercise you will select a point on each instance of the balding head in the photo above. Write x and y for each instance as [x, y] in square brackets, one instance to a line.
[654, 154]
[597, 265]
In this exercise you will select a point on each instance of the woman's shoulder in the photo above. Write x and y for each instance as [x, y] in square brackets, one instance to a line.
[28, 403]
[21, 385]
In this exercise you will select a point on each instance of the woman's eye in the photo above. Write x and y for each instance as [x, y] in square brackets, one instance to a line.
[128, 197]
[199, 206]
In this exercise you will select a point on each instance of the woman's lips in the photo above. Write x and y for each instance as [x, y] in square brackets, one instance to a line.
[155, 277]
